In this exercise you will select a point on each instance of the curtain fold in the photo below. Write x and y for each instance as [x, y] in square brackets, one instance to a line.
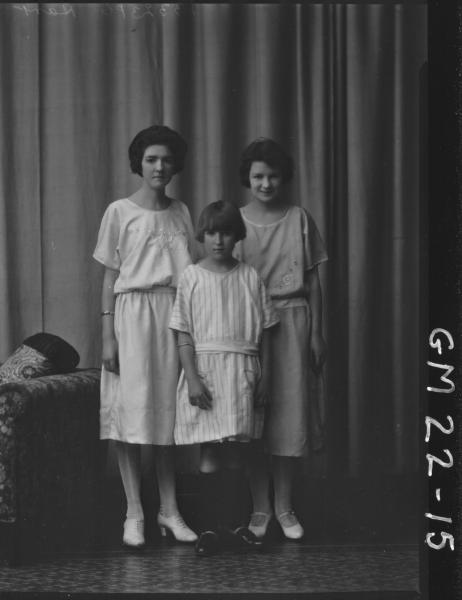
[21, 292]
[336, 84]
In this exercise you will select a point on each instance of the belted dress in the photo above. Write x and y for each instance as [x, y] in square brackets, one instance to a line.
[225, 314]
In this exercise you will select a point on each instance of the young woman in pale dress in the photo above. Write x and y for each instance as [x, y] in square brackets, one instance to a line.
[222, 315]
[283, 244]
[145, 242]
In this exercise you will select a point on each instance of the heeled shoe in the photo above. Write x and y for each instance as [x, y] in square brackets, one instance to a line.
[258, 523]
[290, 525]
[133, 533]
[177, 527]
[208, 544]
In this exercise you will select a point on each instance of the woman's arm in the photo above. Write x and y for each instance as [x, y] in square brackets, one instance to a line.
[318, 345]
[199, 395]
[110, 346]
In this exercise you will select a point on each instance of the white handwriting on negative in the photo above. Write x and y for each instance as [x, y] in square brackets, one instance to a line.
[57, 10]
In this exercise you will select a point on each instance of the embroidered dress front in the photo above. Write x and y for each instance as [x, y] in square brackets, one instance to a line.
[150, 249]
[283, 252]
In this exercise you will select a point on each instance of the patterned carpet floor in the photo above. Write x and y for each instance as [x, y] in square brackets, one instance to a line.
[282, 568]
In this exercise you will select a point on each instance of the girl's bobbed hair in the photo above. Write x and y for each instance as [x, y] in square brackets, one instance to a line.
[157, 135]
[269, 152]
[220, 216]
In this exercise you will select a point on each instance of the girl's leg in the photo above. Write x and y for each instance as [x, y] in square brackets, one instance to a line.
[235, 485]
[169, 516]
[235, 493]
[129, 459]
[209, 500]
[283, 476]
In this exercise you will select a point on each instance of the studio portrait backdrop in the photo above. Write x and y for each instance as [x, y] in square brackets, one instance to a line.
[338, 85]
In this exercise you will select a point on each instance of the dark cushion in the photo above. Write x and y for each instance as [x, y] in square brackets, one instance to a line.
[59, 352]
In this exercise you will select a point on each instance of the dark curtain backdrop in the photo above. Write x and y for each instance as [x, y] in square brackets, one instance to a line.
[337, 85]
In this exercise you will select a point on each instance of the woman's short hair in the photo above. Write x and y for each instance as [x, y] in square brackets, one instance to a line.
[220, 216]
[157, 135]
[269, 152]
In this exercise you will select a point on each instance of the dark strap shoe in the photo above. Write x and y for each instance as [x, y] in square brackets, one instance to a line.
[208, 544]
[246, 539]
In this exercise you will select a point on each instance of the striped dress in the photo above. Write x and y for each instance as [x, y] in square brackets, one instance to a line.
[225, 314]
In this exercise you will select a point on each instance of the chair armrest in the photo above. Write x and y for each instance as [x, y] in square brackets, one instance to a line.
[49, 434]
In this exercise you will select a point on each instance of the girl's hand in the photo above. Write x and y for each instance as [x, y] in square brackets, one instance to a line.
[262, 392]
[111, 355]
[199, 395]
[318, 352]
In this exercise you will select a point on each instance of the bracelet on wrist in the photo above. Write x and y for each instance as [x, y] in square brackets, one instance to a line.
[107, 313]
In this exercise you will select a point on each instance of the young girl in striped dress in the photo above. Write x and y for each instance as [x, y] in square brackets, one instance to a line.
[144, 242]
[284, 245]
[222, 314]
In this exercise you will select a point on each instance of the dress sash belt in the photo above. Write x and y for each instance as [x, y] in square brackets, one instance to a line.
[240, 346]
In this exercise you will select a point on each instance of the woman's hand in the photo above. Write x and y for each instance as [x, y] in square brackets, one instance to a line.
[262, 392]
[318, 352]
[199, 395]
[111, 354]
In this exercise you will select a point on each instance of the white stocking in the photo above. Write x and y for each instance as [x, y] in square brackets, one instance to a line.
[129, 459]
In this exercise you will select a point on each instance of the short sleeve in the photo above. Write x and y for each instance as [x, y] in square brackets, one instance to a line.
[106, 250]
[180, 319]
[313, 246]
[270, 317]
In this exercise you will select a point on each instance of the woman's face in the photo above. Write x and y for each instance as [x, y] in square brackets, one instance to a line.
[265, 181]
[157, 166]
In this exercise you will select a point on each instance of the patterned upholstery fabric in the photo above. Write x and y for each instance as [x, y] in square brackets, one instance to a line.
[49, 442]
[25, 363]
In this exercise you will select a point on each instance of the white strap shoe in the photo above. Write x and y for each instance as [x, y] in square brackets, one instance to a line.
[134, 533]
[290, 525]
[177, 527]
[259, 522]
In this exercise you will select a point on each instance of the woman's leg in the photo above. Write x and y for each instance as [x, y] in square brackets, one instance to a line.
[259, 479]
[169, 516]
[165, 470]
[283, 477]
[129, 459]
[258, 475]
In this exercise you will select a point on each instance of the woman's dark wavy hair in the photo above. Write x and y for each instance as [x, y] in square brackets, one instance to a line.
[220, 216]
[157, 135]
[269, 152]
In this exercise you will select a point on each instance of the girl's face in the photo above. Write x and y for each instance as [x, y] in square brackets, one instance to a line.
[265, 182]
[219, 245]
[157, 166]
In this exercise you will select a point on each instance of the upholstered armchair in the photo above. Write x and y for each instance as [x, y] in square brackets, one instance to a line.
[51, 464]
